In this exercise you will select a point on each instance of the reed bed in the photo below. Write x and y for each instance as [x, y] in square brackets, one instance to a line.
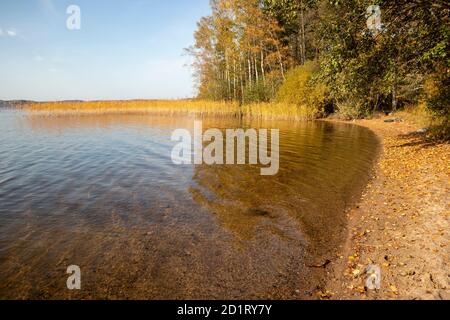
[264, 111]
[160, 107]
[279, 111]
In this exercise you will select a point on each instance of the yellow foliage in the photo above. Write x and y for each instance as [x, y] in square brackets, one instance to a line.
[298, 89]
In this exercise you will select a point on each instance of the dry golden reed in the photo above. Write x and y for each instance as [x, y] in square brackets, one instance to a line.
[269, 111]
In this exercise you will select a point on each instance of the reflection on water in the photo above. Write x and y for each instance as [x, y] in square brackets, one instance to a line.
[101, 192]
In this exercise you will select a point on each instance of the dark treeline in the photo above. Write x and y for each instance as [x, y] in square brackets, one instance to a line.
[369, 55]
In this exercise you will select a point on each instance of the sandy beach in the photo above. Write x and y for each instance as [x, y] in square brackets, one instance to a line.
[401, 222]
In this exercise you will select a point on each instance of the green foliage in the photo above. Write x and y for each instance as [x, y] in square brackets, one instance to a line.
[351, 109]
[238, 52]
[247, 48]
[419, 38]
[302, 89]
[297, 19]
[286, 13]
[368, 72]
[259, 92]
[353, 65]
[437, 90]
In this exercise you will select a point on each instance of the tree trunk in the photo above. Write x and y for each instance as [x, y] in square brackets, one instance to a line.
[302, 31]
[256, 70]
[234, 80]
[249, 70]
[281, 62]
[280, 59]
[262, 67]
[242, 81]
[228, 77]
[394, 90]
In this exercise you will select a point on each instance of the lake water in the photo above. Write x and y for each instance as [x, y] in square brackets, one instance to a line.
[101, 192]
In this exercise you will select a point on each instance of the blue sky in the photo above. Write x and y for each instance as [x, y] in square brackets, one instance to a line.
[125, 49]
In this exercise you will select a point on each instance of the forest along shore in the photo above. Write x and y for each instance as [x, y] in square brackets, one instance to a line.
[401, 223]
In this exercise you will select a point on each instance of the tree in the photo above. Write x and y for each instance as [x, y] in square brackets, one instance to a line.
[237, 53]
[388, 68]
[298, 18]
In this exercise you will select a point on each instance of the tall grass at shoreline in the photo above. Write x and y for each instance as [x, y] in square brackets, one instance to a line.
[266, 111]
[279, 111]
[161, 107]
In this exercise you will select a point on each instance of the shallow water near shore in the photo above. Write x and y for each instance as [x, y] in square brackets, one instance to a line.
[101, 192]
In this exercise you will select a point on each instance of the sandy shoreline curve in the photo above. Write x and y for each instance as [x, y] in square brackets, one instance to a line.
[401, 223]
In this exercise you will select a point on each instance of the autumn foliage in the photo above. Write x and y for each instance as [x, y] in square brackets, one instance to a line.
[238, 54]
[246, 49]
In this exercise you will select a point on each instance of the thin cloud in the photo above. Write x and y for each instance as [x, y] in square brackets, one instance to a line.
[8, 33]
